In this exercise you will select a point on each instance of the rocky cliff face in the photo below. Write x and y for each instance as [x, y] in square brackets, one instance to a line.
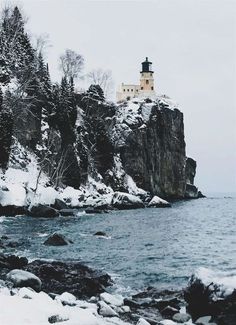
[136, 147]
[149, 135]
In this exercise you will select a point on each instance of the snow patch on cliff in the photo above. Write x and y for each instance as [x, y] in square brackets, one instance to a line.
[135, 113]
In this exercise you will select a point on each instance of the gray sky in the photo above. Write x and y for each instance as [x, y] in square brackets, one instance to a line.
[192, 44]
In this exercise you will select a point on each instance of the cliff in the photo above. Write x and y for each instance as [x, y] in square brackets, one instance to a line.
[125, 153]
[153, 151]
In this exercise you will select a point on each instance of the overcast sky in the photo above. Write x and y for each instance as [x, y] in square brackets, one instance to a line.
[192, 44]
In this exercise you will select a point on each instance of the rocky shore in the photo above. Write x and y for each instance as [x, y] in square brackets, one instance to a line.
[70, 292]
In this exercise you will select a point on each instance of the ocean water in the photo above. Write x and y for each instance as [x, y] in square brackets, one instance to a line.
[145, 247]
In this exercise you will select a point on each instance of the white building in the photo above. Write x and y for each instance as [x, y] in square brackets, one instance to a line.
[144, 89]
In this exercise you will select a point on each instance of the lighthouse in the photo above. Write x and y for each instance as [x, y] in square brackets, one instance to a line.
[146, 79]
[145, 87]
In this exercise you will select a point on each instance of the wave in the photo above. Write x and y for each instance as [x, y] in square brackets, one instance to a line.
[225, 280]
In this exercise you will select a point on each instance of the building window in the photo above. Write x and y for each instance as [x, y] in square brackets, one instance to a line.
[131, 89]
[147, 82]
[136, 90]
[141, 88]
[127, 89]
[124, 89]
[152, 88]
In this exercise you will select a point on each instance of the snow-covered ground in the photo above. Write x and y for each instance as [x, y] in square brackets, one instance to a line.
[29, 307]
[24, 184]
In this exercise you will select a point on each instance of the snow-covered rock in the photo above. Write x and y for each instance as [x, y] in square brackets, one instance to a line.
[225, 281]
[114, 300]
[21, 278]
[105, 310]
[181, 318]
[121, 200]
[142, 321]
[27, 293]
[157, 202]
[67, 298]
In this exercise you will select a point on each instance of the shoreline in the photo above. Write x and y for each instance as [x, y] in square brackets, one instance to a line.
[75, 286]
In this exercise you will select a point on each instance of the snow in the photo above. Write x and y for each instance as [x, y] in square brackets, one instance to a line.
[115, 300]
[156, 200]
[39, 307]
[135, 113]
[142, 321]
[226, 281]
[121, 197]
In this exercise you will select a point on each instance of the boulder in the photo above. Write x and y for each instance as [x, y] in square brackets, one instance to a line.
[205, 320]
[12, 262]
[59, 205]
[206, 297]
[57, 240]
[12, 210]
[157, 202]
[57, 319]
[100, 233]
[43, 211]
[114, 300]
[142, 321]
[200, 195]
[181, 317]
[71, 277]
[67, 299]
[169, 311]
[125, 201]
[95, 210]
[105, 310]
[191, 191]
[21, 278]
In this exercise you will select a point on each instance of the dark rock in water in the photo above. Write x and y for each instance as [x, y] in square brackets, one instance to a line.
[14, 244]
[57, 240]
[12, 262]
[67, 212]
[6, 242]
[21, 278]
[12, 210]
[190, 170]
[4, 237]
[95, 210]
[191, 192]
[200, 195]
[43, 211]
[72, 277]
[100, 233]
[59, 205]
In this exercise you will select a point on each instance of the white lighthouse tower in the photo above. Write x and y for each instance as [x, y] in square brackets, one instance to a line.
[146, 80]
[144, 89]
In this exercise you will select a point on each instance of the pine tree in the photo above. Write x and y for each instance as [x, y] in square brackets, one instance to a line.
[6, 127]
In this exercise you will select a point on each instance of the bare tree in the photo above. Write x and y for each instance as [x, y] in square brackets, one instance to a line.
[103, 78]
[71, 64]
[42, 43]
